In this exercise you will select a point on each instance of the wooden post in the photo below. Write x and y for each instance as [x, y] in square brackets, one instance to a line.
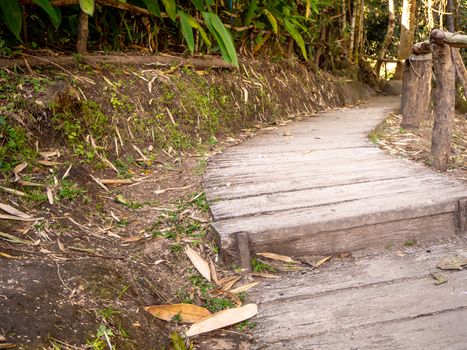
[444, 102]
[83, 32]
[416, 90]
[244, 253]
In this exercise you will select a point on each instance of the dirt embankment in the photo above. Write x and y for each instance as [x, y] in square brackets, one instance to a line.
[106, 162]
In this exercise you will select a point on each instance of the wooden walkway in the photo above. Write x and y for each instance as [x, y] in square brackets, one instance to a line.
[318, 186]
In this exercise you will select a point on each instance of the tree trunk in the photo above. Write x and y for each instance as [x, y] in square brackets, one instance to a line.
[83, 32]
[409, 9]
[352, 28]
[450, 15]
[461, 72]
[444, 104]
[416, 90]
[431, 22]
[388, 38]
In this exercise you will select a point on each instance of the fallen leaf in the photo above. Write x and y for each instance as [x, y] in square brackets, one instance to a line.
[20, 167]
[5, 255]
[230, 295]
[7, 346]
[48, 163]
[50, 195]
[245, 287]
[440, 279]
[12, 191]
[322, 261]
[265, 275]
[48, 154]
[278, 257]
[13, 239]
[201, 265]
[212, 267]
[13, 211]
[230, 282]
[132, 239]
[61, 246]
[223, 319]
[452, 263]
[17, 218]
[189, 313]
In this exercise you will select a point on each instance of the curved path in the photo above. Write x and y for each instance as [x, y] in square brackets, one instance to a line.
[318, 186]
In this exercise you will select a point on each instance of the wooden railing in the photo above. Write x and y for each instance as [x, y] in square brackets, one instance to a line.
[442, 54]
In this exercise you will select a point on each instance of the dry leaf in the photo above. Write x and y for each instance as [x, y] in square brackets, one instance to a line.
[322, 261]
[61, 246]
[116, 181]
[230, 295]
[283, 258]
[30, 184]
[201, 265]
[48, 163]
[12, 191]
[223, 319]
[188, 313]
[230, 282]
[48, 154]
[440, 279]
[50, 195]
[17, 218]
[132, 239]
[265, 275]
[245, 287]
[212, 267]
[13, 239]
[5, 255]
[13, 211]
[452, 263]
[20, 167]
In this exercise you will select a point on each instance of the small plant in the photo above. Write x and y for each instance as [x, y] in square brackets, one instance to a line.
[200, 202]
[107, 312]
[176, 248]
[246, 325]
[102, 340]
[179, 343]
[259, 266]
[70, 191]
[218, 304]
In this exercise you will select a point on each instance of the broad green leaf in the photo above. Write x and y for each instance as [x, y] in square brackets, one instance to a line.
[170, 8]
[209, 2]
[87, 6]
[296, 36]
[223, 38]
[251, 12]
[272, 20]
[198, 27]
[54, 15]
[12, 15]
[198, 4]
[187, 30]
[153, 7]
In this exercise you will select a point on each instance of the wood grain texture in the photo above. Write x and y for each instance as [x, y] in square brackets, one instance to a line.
[319, 186]
[381, 301]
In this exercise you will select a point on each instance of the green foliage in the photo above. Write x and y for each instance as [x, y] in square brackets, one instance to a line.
[218, 304]
[70, 191]
[153, 7]
[14, 147]
[178, 343]
[292, 29]
[223, 38]
[12, 16]
[53, 12]
[187, 30]
[87, 6]
[171, 8]
[259, 266]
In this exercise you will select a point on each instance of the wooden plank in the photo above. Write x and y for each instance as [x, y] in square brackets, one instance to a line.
[254, 205]
[446, 330]
[367, 211]
[356, 273]
[376, 304]
[424, 230]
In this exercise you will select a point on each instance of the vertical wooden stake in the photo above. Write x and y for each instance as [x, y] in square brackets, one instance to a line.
[244, 253]
[416, 90]
[444, 103]
[83, 32]
[463, 216]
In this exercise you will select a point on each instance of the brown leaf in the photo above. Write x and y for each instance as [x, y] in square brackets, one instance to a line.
[50, 195]
[278, 257]
[61, 246]
[322, 261]
[132, 239]
[20, 167]
[6, 255]
[230, 282]
[13, 211]
[223, 319]
[201, 265]
[265, 275]
[13, 191]
[17, 218]
[48, 163]
[212, 267]
[189, 313]
[245, 287]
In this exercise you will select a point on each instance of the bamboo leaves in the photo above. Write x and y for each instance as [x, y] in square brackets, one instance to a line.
[171, 8]
[12, 16]
[53, 12]
[187, 30]
[296, 36]
[87, 6]
[223, 38]
[153, 7]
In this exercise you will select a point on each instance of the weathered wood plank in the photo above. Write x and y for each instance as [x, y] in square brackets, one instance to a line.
[254, 205]
[445, 330]
[360, 272]
[374, 305]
